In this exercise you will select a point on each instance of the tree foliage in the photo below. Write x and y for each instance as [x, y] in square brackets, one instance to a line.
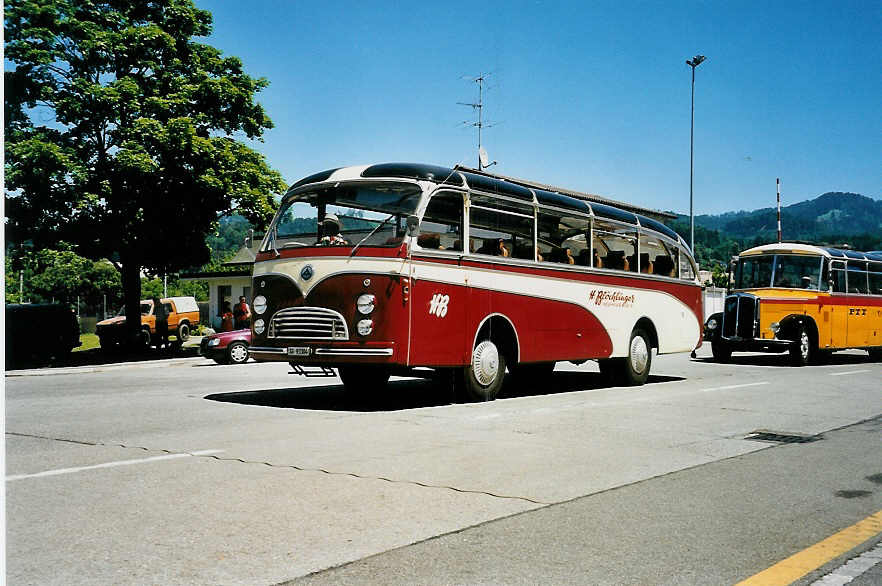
[122, 133]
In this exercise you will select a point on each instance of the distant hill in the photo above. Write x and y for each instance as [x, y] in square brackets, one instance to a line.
[831, 214]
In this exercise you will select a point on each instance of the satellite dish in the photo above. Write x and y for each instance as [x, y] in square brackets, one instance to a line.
[482, 156]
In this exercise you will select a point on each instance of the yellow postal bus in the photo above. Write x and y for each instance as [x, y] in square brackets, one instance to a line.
[802, 299]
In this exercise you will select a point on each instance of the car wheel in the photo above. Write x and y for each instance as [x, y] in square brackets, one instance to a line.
[721, 351]
[482, 379]
[803, 350]
[633, 370]
[183, 332]
[238, 352]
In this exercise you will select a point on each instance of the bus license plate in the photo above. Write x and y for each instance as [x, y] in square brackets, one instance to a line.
[298, 351]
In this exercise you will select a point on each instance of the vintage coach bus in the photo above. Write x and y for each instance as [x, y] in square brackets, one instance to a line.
[466, 273]
[804, 299]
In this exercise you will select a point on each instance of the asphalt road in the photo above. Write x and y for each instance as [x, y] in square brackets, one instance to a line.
[182, 471]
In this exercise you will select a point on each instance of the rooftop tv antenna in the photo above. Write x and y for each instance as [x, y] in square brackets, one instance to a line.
[483, 159]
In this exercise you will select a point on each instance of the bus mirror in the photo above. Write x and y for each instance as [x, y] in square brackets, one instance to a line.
[413, 225]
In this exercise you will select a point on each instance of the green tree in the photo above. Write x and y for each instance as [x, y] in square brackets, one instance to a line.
[121, 133]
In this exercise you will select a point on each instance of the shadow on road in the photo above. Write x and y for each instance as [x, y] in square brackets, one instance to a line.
[783, 360]
[98, 357]
[408, 394]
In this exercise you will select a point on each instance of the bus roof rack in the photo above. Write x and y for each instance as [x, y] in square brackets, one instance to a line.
[590, 197]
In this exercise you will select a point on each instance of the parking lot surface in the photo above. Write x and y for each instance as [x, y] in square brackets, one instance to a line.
[183, 471]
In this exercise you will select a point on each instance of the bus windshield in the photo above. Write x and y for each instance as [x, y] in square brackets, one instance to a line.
[359, 209]
[789, 271]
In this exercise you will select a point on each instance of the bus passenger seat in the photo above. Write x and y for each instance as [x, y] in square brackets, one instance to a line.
[663, 265]
[615, 259]
[429, 240]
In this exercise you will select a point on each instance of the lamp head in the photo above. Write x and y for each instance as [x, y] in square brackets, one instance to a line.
[696, 61]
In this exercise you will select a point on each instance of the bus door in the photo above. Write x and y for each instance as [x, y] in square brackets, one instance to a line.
[438, 298]
[837, 334]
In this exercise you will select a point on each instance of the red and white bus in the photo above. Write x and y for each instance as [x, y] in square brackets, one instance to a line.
[469, 273]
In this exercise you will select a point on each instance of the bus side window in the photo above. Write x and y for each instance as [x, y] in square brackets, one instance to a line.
[875, 278]
[501, 227]
[563, 237]
[654, 256]
[441, 227]
[857, 277]
[837, 275]
[616, 245]
[686, 270]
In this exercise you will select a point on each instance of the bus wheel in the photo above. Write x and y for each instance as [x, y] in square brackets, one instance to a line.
[482, 379]
[802, 351]
[875, 354]
[362, 379]
[633, 370]
[721, 352]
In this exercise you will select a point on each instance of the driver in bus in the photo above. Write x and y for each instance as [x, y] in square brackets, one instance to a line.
[331, 232]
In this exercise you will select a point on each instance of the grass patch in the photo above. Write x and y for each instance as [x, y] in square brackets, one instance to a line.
[89, 342]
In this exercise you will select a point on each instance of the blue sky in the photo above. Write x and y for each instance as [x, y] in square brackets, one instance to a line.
[592, 96]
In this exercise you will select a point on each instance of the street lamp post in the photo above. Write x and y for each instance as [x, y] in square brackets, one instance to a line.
[693, 63]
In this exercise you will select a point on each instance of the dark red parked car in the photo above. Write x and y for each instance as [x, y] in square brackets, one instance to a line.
[227, 347]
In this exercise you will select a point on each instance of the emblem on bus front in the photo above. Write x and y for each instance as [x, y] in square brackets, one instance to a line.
[306, 272]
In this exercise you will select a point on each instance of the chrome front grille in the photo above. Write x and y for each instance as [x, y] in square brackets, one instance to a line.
[308, 323]
[741, 316]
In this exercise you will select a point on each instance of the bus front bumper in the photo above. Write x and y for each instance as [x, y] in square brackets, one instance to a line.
[323, 355]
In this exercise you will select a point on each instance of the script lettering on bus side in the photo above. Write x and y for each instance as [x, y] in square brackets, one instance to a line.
[438, 305]
[610, 298]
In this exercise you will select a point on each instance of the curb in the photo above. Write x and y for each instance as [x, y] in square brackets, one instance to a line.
[100, 367]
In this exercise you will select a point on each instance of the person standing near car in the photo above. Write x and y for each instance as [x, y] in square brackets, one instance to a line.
[160, 313]
[242, 314]
[227, 318]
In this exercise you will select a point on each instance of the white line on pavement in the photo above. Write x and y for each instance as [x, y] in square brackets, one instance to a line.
[845, 373]
[736, 386]
[112, 464]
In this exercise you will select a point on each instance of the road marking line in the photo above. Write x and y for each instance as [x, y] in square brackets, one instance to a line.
[852, 569]
[810, 559]
[849, 372]
[111, 464]
[736, 386]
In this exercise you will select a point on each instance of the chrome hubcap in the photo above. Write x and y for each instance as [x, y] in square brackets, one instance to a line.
[239, 353]
[804, 344]
[485, 362]
[639, 354]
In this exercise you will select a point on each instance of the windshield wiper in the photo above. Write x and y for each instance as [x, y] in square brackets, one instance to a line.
[374, 231]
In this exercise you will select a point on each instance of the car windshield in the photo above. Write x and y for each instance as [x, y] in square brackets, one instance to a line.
[359, 210]
[145, 309]
[789, 271]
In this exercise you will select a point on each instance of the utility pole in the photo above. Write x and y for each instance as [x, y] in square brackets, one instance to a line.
[693, 63]
[479, 107]
[778, 185]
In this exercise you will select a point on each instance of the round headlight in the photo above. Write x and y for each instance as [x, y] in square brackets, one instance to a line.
[775, 327]
[365, 327]
[365, 303]
[712, 324]
[259, 304]
[259, 326]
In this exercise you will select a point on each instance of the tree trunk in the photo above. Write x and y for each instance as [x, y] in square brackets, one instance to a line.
[131, 283]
